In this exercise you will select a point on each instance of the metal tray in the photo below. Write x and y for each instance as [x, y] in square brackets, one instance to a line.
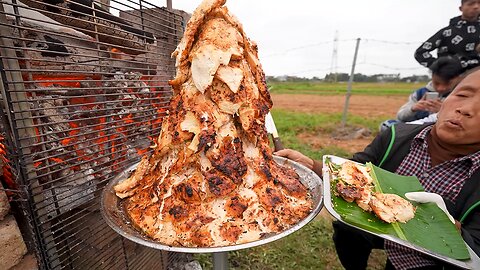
[473, 263]
[115, 217]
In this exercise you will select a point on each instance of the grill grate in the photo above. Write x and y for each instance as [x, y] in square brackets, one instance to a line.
[84, 90]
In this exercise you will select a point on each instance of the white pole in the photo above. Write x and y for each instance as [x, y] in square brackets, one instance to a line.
[350, 82]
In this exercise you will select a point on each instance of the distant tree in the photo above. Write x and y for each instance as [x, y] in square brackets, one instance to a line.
[344, 77]
[339, 77]
[416, 78]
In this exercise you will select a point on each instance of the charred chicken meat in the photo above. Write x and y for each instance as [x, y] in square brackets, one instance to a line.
[211, 180]
[355, 184]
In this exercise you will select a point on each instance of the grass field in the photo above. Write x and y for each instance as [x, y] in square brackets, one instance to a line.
[290, 124]
[322, 88]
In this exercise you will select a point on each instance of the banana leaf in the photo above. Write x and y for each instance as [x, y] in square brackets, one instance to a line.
[430, 228]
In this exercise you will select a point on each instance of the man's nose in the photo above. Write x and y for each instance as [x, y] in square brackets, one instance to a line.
[464, 110]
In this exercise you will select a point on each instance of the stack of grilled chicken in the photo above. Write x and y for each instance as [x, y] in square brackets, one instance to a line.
[211, 180]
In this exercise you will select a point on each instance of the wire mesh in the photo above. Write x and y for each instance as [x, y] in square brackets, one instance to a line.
[84, 91]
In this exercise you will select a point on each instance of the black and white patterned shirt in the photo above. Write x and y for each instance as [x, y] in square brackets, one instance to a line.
[460, 39]
[445, 179]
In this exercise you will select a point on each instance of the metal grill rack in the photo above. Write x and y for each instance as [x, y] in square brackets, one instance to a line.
[84, 89]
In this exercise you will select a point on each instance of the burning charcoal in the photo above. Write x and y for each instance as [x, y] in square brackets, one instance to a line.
[54, 47]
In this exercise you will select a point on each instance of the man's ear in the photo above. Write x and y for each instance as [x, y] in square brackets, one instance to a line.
[460, 8]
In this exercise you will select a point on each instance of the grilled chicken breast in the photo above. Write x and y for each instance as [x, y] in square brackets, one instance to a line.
[391, 207]
[211, 180]
[356, 185]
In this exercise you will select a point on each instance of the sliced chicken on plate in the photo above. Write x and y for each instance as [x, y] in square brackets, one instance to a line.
[355, 184]
[391, 207]
[211, 180]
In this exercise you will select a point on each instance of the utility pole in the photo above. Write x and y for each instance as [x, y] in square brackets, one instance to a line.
[350, 82]
[334, 63]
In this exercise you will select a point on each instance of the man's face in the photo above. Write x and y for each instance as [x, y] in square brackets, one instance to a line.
[442, 86]
[459, 117]
[470, 10]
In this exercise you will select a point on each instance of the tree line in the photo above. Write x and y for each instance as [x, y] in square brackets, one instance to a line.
[358, 77]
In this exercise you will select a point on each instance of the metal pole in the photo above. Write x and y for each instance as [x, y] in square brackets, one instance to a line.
[169, 5]
[334, 64]
[350, 82]
[220, 261]
[20, 118]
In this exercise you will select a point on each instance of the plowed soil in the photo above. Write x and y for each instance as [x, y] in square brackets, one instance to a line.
[366, 105]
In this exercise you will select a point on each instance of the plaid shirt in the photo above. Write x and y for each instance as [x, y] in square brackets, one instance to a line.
[445, 179]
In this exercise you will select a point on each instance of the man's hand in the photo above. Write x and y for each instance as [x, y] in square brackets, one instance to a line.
[458, 225]
[432, 106]
[297, 157]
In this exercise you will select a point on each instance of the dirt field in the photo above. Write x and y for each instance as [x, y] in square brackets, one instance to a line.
[383, 106]
[359, 105]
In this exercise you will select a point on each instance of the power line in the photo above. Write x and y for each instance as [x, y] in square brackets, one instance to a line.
[334, 61]
[316, 70]
[392, 68]
[394, 42]
[305, 47]
[343, 40]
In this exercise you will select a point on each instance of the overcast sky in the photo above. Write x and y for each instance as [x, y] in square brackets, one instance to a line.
[296, 37]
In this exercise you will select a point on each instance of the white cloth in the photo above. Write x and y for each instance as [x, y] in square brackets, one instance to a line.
[429, 197]
[432, 118]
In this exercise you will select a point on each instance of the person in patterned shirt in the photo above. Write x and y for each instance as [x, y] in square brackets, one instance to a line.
[460, 38]
[444, 156]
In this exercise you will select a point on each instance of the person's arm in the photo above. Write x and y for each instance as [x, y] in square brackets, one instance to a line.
[423, 53]
[372, 153]
[296, 156]
[405, 113]
[375, 150]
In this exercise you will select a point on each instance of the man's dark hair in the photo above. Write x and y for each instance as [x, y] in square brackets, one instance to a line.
[447, 67]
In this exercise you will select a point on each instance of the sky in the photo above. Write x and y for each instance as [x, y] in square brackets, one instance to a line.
[297, 37]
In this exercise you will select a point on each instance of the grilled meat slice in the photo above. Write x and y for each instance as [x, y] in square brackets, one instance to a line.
[347, 192]
[391, 207]
[355, 184]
